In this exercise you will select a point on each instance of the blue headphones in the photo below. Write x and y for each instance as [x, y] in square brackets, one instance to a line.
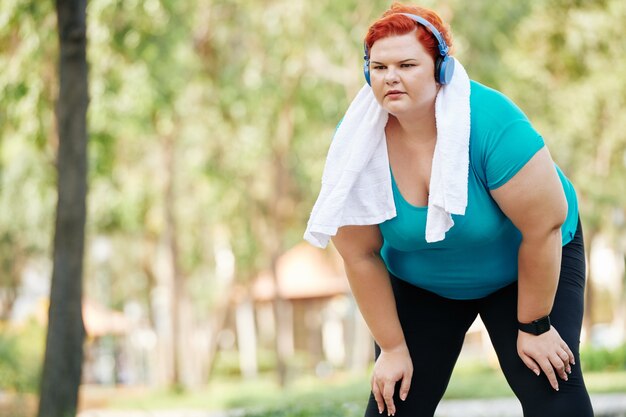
[444, 65]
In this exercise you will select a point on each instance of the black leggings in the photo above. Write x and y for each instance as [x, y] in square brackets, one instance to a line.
[434, 329]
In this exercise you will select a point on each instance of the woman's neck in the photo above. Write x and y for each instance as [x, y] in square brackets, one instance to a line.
[416, 130]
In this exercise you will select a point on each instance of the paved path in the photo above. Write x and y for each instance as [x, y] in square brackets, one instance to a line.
[605, 405]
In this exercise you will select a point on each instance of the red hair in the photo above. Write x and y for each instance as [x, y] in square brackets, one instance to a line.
[391, 23]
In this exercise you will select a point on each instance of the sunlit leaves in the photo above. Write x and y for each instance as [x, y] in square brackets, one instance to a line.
[567, 68]
[244, 87]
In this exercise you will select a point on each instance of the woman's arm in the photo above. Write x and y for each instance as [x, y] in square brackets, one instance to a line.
[535, 202]
[359, 247]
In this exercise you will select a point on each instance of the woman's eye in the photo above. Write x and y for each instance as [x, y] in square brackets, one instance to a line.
[407, 65]
[379, 67]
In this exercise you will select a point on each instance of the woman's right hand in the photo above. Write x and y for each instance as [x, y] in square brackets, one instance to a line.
[391, 366]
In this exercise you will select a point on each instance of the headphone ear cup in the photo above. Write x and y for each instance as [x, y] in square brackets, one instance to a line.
[366, 71]
[438, 63]
[445, 70]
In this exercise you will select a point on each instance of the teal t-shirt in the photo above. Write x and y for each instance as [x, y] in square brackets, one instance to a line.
[479, 253]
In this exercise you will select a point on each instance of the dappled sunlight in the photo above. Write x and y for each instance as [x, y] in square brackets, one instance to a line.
[208, 124]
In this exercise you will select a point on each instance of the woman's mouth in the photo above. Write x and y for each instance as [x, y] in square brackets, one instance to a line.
[394, 93]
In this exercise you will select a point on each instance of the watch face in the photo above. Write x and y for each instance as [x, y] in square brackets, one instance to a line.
[542, 325]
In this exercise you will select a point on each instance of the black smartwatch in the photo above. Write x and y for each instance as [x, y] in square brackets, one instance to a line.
[535, 327]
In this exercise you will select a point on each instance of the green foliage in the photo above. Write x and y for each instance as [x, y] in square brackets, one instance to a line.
[27, 81]
[559, 76]
[311, 410]
[480, 46]
[26, 135]
[246, 95]
[312, 396]
[603, 359]
[21, 355]
[257, 395]
[227, 364]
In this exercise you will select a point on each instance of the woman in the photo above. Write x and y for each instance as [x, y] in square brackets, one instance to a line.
[516, 257]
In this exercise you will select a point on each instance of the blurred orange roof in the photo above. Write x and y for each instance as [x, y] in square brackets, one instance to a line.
[100, 320]
[304, 272]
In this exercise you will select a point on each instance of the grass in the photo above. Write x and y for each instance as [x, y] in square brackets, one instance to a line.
[261, 392]
[606, 382]
[477, 380]
[484, 382]
[340, 395]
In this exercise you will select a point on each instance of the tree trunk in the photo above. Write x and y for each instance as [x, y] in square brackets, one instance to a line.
[218, 322]
[283, 332]
[147, 259]
[179, 293]
[621, 310]
[280, 304]
[282, 206]
[225, 277]
[590, 236]
[246, 337]
[64, 344]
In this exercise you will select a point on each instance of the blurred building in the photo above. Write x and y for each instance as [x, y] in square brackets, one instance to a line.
[324, 318]
[324, 329]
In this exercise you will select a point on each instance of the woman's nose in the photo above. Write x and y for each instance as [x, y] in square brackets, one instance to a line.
[391, 76]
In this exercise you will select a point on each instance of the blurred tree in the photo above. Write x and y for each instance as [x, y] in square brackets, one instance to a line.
[64, 345]
[567, 67]
[482, 31]
[284, 72]
[210, 120]
[28, 143]
[142, 71]
[279, 93]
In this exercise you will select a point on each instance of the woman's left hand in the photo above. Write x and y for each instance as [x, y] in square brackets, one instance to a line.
[547, 352]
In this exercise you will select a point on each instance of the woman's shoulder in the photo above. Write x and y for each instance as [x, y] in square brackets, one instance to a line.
[491, 109]
[501, 135]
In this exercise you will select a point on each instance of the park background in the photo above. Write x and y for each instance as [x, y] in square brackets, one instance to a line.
[208, 123]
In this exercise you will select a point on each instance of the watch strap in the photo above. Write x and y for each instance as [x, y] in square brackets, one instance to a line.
[536, 327]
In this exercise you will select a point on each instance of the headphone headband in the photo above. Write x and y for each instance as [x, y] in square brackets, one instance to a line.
[443, 46]
[441, 42]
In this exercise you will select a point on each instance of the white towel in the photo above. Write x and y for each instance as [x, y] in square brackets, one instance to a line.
[356, 183]
[449, 172]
